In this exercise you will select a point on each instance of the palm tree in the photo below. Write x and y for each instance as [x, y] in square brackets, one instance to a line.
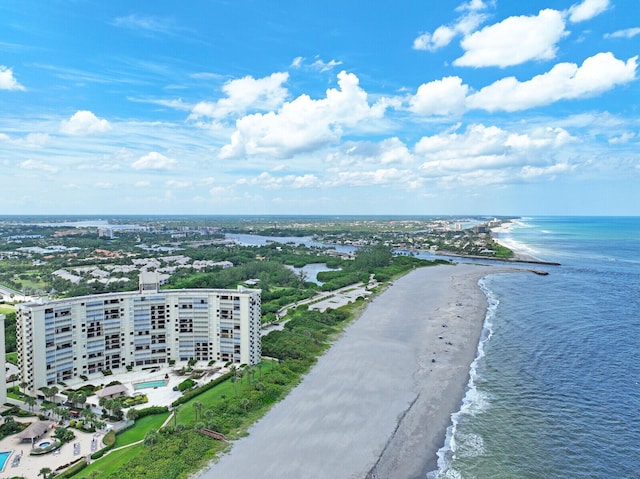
[208, 415]
[23, 386]
[46, 391]
[116, 408]
[175, 417]
[55, 411]
[89, 416]
[198, 407]
[30, 401]
[249, 372]
[150, 438]
[64, 413]
[77, 398]
[107, 405]
[46, 409]
[132, 414]
[302, 279]
[44, 472]
[53, 390]
[234, 377]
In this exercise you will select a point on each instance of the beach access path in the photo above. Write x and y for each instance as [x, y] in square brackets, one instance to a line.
[378, 403]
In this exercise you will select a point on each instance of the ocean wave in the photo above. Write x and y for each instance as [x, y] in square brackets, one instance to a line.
[474, 401]
[522, 223]
[471, 445]
[516, 246]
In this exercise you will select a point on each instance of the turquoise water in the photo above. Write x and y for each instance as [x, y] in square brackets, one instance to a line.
[4, 457]
[555, 393]
[150, 384]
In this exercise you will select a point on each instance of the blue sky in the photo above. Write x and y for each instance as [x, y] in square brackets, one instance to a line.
[333, 107]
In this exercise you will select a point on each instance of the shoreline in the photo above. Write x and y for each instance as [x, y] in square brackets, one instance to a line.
[378, 403]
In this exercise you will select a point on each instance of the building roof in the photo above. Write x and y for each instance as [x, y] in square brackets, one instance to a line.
[35, 430]
[112, 390]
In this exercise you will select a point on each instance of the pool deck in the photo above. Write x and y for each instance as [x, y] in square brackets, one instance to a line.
[29, 466]
[158, 396]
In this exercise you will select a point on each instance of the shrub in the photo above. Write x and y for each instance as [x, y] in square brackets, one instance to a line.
[186, 384]
[109, 438]
[151, 410]
[199, 390]
[73, 470]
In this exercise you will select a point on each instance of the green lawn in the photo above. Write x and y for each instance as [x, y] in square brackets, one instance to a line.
[110, 463]
[6, 309]
[186, 411]
[186, 415]
[142, 427]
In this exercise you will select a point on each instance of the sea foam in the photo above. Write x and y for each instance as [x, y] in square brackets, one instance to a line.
[474, 402]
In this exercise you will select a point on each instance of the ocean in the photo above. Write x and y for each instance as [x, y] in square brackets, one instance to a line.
[555, 390]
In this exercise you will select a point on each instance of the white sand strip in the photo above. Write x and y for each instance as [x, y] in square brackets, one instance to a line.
[375, 405]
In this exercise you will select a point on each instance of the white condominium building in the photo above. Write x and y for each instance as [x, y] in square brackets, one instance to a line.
[66, 339]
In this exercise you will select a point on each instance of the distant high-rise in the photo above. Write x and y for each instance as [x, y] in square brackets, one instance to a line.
[62, 340]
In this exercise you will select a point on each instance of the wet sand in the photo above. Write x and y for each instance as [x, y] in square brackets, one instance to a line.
[378, 403]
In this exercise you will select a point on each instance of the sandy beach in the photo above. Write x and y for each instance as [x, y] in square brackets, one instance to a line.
[378, 403]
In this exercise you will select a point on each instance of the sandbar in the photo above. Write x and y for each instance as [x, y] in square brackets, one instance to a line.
[377, 404]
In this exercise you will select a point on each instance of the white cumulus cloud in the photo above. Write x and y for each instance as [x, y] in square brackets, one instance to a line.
[586, 10]
[514, 40]
[363, 154]
[441, 37]
[303, 124]
[597, 74]
[84, 122]
[245, 94]
[154, 161]
[482, 147]
[440, 97]
[444, 34]
[7, 80]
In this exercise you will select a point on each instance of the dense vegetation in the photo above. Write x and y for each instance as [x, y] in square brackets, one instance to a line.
[236, 401]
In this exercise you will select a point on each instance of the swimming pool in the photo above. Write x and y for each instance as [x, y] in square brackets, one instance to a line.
[44, 444]
[150, 384]
[4, 457]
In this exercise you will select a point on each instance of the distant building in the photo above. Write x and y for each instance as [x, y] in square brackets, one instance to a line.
[59, 341]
